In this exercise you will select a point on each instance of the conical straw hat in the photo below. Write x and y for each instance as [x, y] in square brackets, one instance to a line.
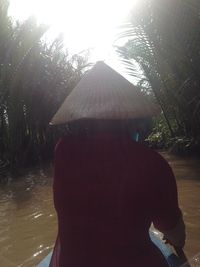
[104, 94]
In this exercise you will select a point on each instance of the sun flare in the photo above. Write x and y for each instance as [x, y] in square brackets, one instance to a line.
[85, 24]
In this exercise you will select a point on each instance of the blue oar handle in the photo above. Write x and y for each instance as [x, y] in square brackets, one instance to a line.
[182, 257]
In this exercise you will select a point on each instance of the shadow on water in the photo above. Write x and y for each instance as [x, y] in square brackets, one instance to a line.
[21, 188]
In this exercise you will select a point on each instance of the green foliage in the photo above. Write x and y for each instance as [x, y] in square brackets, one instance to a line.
[160, 136]
[185, 146]
[164, 40]
[35, 78]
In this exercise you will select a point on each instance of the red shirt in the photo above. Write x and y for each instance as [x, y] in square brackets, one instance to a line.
[108, 190]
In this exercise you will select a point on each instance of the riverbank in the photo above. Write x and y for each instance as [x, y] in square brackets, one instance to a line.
[180, 145]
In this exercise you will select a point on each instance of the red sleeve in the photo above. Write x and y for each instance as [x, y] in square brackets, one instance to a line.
[166, 212]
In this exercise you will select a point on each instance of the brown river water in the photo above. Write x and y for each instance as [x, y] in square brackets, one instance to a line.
[28, 221]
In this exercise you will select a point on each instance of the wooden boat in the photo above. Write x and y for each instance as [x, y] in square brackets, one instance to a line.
[171, 258]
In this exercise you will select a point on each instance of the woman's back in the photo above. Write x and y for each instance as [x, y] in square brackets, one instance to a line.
[107, 191]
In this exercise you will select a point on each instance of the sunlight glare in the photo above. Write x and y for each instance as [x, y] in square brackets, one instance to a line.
[85, 24]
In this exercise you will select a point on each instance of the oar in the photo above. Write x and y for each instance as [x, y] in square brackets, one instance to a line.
[180, 253]
[182, 257]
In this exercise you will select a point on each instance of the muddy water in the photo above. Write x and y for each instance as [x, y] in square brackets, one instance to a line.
[187, 172]
[28, 221]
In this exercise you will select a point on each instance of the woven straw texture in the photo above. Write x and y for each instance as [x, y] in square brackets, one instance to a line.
[103, 93]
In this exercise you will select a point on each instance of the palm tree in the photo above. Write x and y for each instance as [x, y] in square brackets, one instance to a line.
[35, 78]
[164, 40]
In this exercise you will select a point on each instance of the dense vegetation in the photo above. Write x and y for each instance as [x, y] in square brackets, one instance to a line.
[35, 78]
[164, 40]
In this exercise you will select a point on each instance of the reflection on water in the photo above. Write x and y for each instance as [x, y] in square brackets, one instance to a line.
[28, 221]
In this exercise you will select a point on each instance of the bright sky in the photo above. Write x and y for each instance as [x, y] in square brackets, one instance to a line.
[84, 23]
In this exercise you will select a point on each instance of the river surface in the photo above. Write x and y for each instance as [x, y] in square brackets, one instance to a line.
[28, 221]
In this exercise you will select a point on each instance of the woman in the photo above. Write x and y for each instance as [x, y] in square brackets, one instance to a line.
[108, 189]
